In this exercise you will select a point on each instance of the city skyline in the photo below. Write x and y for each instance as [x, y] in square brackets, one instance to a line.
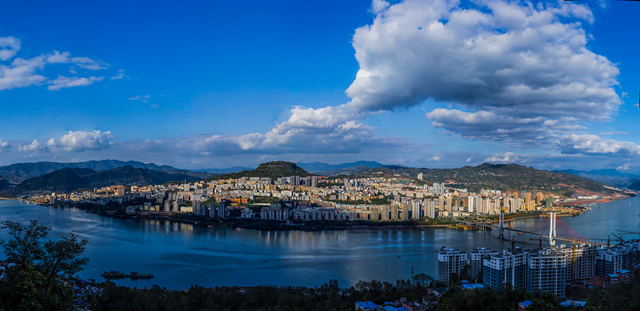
[432, 84]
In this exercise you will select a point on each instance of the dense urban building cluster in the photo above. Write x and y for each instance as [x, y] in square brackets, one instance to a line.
[548, 270]
[309, 198]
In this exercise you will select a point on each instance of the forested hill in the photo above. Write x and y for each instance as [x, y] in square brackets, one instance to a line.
[273, 170]
[500, 177]
[70, 179]
[21, 171]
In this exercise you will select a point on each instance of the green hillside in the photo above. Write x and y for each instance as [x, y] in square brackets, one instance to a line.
[635, 185]
[499, 177]
[273, 170]
[70, 179]
[21, 171]
[63, 180]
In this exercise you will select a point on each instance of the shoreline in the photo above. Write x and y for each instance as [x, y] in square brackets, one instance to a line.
[314, 225]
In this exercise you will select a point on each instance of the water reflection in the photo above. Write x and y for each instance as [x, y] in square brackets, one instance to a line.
[180, 255]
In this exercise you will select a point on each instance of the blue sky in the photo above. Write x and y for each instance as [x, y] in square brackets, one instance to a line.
[429, 83]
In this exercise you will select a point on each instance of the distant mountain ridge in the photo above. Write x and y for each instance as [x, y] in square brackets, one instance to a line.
[324, 167]
[70, 179]
[609, 176]
[19, 172]
[233, 169]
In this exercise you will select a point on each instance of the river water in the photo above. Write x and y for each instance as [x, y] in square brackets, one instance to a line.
[181, 255]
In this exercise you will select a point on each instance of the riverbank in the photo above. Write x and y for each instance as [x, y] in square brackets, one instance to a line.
[115, 212]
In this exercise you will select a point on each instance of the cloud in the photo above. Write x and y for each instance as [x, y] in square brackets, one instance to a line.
[9, 47]
[35, 146]
[4, 145]
[298, 135]
[509, 157]
[593, 144]
[435, 158]
[65, 82]
[516, 62]
[487, 125]
[25, 72]
[82, 62]
[379, 6]
[73, 141]
[142, 98]
[614, 133]
[119, 76]
[523, 72]
[21, 73]
[80, 141]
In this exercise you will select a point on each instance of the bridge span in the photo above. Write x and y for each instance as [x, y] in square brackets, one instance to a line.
[551, 236]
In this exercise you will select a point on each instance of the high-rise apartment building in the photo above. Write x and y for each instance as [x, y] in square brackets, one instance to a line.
[547, 271]
[583, 265]
[394, 211]
[222, 210]
[385, 212]
[508, 267]
[450, 261]
[429, 208]
[404, 210]
[416, 209]
[476, 257]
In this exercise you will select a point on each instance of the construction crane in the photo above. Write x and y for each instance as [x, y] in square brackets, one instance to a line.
[540, 239]
[627, 232]
[573, 264]
[617, 236]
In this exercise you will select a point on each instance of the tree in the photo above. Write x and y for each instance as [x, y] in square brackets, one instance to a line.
[33, 283]
[423, 279]
[465, 274]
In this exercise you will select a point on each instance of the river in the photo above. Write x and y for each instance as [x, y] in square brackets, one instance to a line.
[181, 255]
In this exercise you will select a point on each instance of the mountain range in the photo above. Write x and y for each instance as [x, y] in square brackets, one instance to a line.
[609, 176]
[70, 179]
[71, 176]
[228, 170]
[318, 167]
[19, 172]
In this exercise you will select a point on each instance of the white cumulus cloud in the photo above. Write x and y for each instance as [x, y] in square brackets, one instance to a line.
[9, 47]
[593, 144]
[512, 61]
[491, 126]
[82, 62]
[21, 73]
[27, 72]
[35, 146]
[65, 82]
[81, 141]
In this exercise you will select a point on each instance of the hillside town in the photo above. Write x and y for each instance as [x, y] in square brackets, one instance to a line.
[385, 198]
